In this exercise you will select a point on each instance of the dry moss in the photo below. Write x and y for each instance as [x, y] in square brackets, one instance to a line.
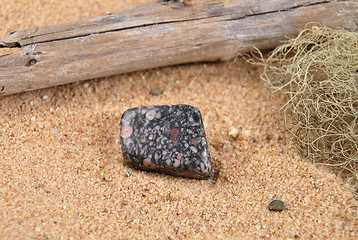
[318, 72]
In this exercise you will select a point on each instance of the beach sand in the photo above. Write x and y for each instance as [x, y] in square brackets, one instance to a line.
[62, 174]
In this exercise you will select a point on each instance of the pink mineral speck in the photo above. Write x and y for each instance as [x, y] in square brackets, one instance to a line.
[174, 133]
[148, 163]
[126, 131]
[176, 163]
[150, 115]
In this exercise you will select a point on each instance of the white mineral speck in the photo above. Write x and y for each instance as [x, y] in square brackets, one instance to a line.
[192, 148]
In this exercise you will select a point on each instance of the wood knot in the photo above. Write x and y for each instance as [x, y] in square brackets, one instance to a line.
[31, 62]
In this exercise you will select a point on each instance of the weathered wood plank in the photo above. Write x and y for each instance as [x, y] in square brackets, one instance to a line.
[159, 34]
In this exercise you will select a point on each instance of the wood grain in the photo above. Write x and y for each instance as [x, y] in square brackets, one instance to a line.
[159, 34]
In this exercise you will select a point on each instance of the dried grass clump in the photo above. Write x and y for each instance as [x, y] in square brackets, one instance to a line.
[318, 72]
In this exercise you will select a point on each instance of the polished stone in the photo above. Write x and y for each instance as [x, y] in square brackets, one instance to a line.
[168, 139]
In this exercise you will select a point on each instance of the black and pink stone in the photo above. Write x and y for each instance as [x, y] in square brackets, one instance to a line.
[168, 139]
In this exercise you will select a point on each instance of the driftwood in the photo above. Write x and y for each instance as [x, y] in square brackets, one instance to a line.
[159, 34]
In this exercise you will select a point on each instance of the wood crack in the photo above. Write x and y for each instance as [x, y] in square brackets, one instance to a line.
[27, 38]
[281, 10]
[103, 32]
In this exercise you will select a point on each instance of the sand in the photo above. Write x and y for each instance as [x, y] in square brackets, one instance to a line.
[62, 174]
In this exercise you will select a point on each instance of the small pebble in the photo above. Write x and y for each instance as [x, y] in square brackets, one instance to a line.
[128, 174]
[276, 205]
[250, 171]
[156, 91]
[246, 134]
[233, 132]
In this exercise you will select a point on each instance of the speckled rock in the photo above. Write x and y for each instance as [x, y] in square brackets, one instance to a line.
[168, 139]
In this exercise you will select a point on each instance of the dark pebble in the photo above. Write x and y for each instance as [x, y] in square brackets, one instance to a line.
[276, 205]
